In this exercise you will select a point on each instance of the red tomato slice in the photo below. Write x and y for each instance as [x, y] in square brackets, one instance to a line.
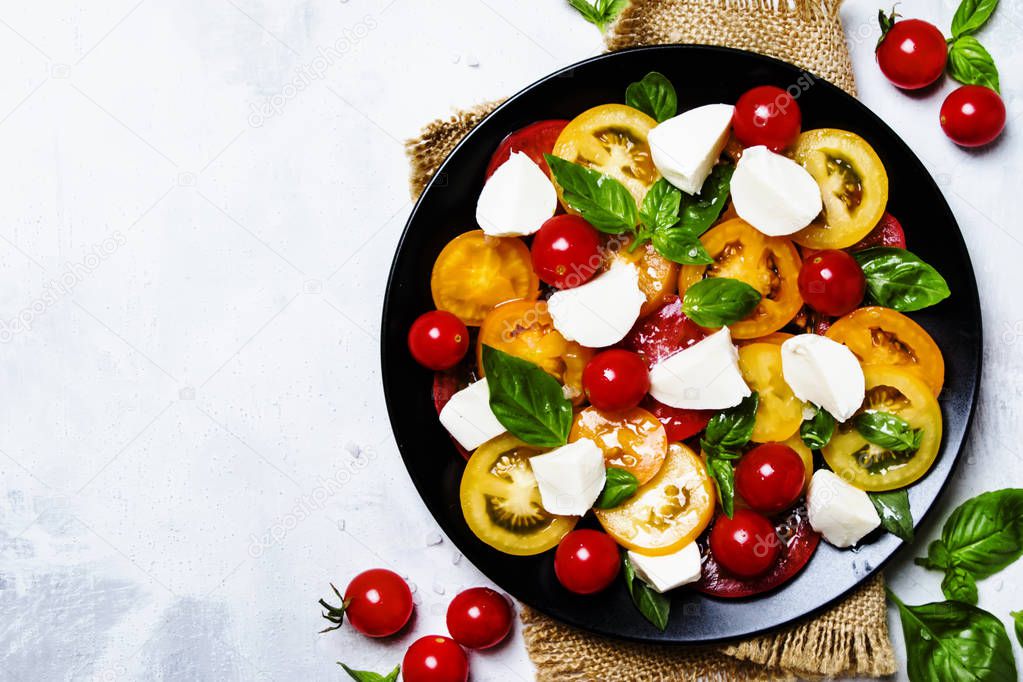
[887, 232]
[662, 333]
[536, 139]
[800, 544]
[679, 423]
[445, 385]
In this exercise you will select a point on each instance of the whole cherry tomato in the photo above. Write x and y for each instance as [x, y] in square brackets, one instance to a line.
[586, 561]
[746, 544]
[536, 139]
[435, 659]
[973, 115]
[438, 340]
[911, 53]
[770, 477]
[479, 618]
[616, 380]
[377, 602]
[566, 251]
[767, 115]
[832, 282]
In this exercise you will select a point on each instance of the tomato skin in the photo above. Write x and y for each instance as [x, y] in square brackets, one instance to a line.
[435, 659]
[745, 544]
[767, 115]
[616, 380]
[380, 602]
[586, 561]
[832, 282]
[973, 115]
[664, 332]
[566, 251]
[479, 618]
[770, 477]
[679, 423]
[536, 139]
[438, 340]
[912, 54]
[887, 232]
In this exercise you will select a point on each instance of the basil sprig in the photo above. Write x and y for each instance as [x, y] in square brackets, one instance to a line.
[817, 431]
[604, 202]
[951, 640]
[619, 486]
[601, 13]
[368, 676]
[898, 279]
[727, 432]
[717, 301]
[527, 401]
[893, 508]
[654, 606]
[888, 431]
[969, 62]
[654, 95]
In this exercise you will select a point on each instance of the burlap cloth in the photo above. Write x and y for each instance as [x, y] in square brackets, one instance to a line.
[850, 638]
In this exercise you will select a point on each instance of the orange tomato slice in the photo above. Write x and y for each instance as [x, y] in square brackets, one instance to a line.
[658, 276]
[634, 440]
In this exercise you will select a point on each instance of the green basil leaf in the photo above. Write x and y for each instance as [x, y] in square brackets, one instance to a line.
[367, 676]
[526, 400]
[660, 206]
[888, 431]
[679, 245]
[954, 641]
[601, 13]
[1017, 617]
[959, 585]
[937, 558]
[970, 63]
[893, 508]
[700, 211]
[654, 606]
[983, 535]
[817, 431]
[619, 486]
[717, 301]
[601, 200]
[971, 15]
[654, 95]
[898, 279]
[732, 428]
[723, 473]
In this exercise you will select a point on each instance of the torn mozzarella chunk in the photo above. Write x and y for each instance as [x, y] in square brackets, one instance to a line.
[570, 478]
[704, 376]
[516, 199]
[773, 193]
[602, 311]
[823, 372]
[468, 417]
[667, 572]
[685, 148]
[842, 513]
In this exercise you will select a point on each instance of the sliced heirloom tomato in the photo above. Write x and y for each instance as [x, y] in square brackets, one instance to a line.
[633, 440]
[777, 338]
[536, 139]
[658, 276]
[501, 500]
[665, 332]
[871, 467]
[445, 385]
[887, 232]
[768, 264]
[525, 329]
[679, 423]
[882, 336]
[669, 511]
[779, 411]
[853, 184]
[612, 139]
[474, 272]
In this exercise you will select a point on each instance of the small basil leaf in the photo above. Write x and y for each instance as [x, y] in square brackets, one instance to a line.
[971, 15]
[1017, 617]
[937, 557]
[654, 606]
[679, 245]
[660, 206]
[954, 641]
[604, 202]
[983, 535]
[654, 95]
[970, 63]
[888, 431]
[817, 431]
[723, 473]
[893, 508]
[959, 585]
[898, 279]
[619, 486]
[717, 301]
[526, 400]
[367, 676]
[732, 428]
[701, 210]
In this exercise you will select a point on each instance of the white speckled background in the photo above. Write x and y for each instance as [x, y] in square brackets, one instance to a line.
[198, 206]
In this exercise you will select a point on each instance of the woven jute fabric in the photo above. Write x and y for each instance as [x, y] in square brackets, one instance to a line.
[848, 639]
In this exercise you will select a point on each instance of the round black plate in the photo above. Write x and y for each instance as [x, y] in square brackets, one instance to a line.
[702, 75]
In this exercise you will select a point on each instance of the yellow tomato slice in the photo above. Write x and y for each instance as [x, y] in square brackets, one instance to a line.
[634, 439]
[658, 276]
[501, 500]
[669, 511]
[805, 454]
[871, 467]
[777, 338]
[779, 411]
[474, 272]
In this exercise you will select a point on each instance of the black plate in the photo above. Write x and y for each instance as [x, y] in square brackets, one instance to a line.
[702, 75]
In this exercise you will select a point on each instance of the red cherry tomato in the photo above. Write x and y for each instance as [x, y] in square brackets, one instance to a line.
[379, 602]
[479, 618]
[438, 340]
[536, 139]
[831, 282]
[662, 333]
[679, 423]
[586, 561]
[435, 659]
[767, 115]
[887, 232]
[745, 544]
[566, 251]
[770, 477]
[616, 380]
[973, 115]
[912, 54]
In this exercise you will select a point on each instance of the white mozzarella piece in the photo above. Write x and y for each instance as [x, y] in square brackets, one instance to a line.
[468, 417]
[516, 199]
[667, 572]
[823, 372]
[705, 376]
[570, 477]
[840, 512]
[602, 311]
[773, 193]
[685, 148]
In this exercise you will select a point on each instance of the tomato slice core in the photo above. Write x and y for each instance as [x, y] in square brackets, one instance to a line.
[535, 140]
